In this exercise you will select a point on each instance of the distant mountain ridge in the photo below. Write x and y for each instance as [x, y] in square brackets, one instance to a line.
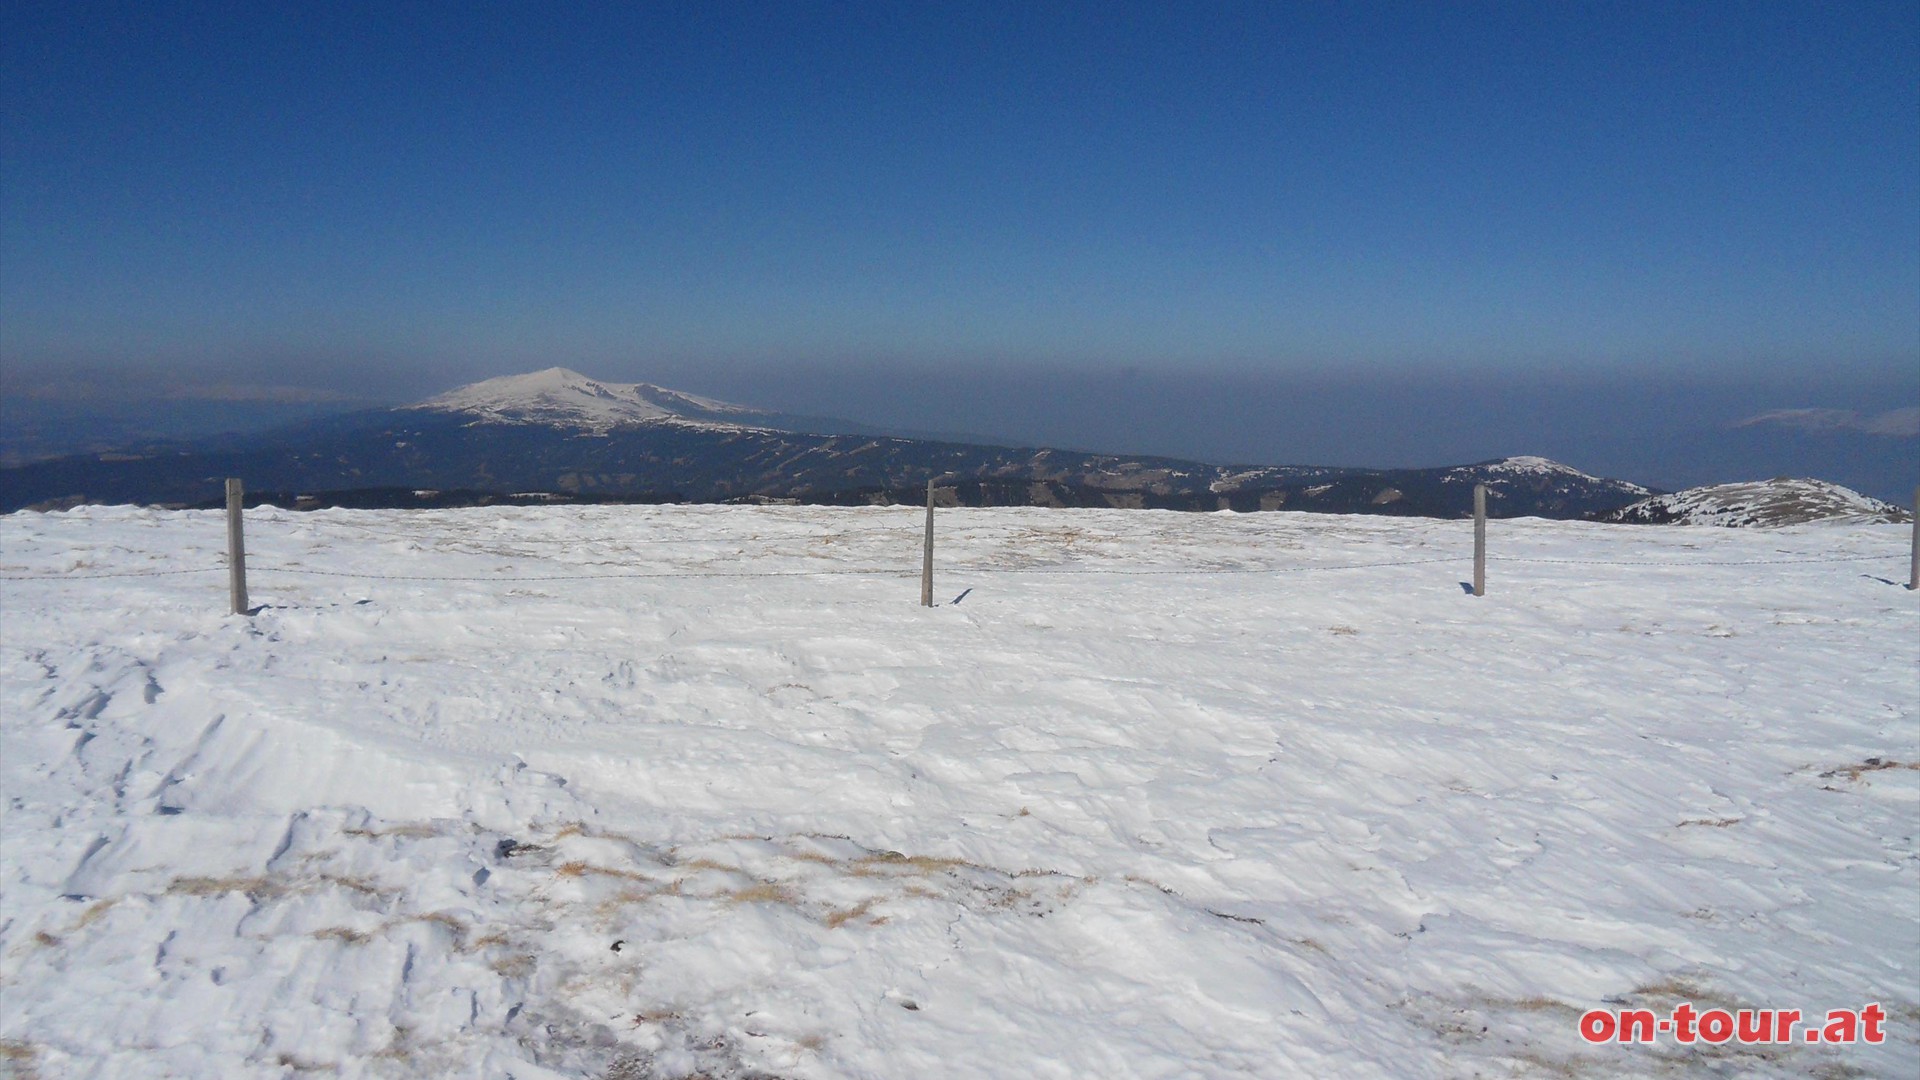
[557, 432]
[1761, 503]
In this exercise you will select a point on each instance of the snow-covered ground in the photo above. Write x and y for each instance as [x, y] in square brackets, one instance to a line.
[1248, 814]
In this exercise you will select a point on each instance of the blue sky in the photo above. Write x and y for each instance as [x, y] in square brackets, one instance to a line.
[1366, 188]
[1367, 233]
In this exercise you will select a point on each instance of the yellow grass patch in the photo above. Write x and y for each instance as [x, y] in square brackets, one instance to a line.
[1853, 772]
[216, 886]
[94, 913]
[836, 919]
[765, 892]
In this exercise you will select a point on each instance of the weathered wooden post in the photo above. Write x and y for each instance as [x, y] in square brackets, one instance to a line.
[1479, 539]
[236, 547]
[926, 554]
[1913, 567]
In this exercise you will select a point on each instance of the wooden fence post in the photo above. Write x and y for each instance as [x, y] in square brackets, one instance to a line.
[926, 554]
[1913, 568]
[1479, 539]
[236, 548]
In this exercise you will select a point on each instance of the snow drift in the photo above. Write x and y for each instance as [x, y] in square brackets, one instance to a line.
[665, 792]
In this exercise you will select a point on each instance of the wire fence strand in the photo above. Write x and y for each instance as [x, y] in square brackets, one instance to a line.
[1696, 562]
[623, 541]
[838, 571]
[1158, 570]
[959, 568]
[113, 574]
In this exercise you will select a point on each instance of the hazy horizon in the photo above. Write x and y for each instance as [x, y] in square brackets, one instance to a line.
[1665, 431]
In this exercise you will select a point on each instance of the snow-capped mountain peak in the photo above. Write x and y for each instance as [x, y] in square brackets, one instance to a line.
[1534, 474]
[1781, 501]
[1530, 466]
[1528, 463]
[562, 397]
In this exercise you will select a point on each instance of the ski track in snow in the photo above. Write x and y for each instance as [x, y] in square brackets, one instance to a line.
[1337, 823]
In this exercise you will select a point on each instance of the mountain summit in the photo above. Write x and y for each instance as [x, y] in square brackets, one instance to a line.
[1765, 503]
[521, 436]
[560, 397]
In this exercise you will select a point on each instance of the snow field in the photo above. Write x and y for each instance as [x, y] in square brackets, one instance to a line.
[1090, 821]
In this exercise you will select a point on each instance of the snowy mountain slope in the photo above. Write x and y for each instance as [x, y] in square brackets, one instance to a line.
[563, 398]
[1767, 503]
[559, 432]
[537, 819]
[1537, 486]
[1531, 473]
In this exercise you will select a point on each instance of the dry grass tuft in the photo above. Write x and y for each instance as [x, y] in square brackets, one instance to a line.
[301, 1065]
[17, 1058]
[342, 934]
[1135, 879]
[1545, 1066]
[94, 913]
[837, 919]
[357, 884]
[578, 869]
[1672, 986]
[254, 887]
[513, 965]
[1872, 764]
[1049, 873]
[1680, 988]
[1535, 1005]
[893, 861]
[766, 892]
[415, 831]
[442, 918]
[624, 898]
